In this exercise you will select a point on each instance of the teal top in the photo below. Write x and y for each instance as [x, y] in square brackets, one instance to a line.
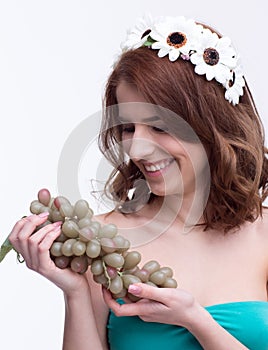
[247, 321]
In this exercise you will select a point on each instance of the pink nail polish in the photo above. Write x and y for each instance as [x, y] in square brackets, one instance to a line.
[136, 290]
[43, 215]
[57, 223]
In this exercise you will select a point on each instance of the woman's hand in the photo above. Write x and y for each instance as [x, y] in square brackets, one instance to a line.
[34, 247]
[163, 305]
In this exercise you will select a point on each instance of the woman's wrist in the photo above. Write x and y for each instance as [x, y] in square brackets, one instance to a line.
[80, 291]
[196, 315]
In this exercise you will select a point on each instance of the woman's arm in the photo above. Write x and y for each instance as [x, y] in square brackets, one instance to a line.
[80, 331]
[209, 333]
[178, 307]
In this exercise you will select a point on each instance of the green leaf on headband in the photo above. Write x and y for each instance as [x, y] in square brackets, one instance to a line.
[149, 41]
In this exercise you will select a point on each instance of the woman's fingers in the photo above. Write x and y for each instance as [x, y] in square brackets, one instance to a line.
[143, 290]
[33, 246]
[39, 244]
[23, 230]
[26, 226]
[151, 297]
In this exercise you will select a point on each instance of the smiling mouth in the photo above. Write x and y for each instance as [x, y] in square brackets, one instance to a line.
[155, 167]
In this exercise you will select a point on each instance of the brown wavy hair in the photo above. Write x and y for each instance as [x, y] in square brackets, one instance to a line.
[232, 135]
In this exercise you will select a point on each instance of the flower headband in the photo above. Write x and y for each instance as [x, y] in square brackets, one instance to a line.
[183, 38]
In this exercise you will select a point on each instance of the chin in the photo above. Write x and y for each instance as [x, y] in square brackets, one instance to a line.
[163, 192]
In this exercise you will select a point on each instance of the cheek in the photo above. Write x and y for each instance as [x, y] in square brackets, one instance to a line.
[198, 159]
[126, 143]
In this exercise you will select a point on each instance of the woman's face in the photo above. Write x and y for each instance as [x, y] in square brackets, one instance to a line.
[169, 165]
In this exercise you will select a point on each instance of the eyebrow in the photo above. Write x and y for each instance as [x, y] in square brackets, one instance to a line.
[145, 120]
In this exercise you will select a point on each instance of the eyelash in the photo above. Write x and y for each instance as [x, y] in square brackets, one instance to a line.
[131, 129]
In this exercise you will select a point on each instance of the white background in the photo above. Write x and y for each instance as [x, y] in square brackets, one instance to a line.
[55, 56]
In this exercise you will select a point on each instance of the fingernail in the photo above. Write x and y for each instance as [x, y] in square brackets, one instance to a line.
[28, 217]
[57, 223]
[43, 215]
[136, 290]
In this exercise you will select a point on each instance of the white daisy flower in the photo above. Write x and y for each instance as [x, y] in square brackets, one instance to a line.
[137, 36]
[234, 87]
[214, 56]
[174, 36]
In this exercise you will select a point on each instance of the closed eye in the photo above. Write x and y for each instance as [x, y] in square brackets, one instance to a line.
[160, 130]
[128, 128]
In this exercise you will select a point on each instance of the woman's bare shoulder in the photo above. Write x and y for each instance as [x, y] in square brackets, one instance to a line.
[114, 217]
[109, 217]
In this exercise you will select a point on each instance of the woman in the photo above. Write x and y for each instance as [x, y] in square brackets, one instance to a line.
[185, 138]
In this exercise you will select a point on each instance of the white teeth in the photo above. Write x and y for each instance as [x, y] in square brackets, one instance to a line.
[158, 166]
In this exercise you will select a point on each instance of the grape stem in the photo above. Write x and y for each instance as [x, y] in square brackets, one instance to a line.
[106, 274]
[6, 247]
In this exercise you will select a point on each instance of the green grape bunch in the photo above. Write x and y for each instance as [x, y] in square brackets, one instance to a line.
[86, 243]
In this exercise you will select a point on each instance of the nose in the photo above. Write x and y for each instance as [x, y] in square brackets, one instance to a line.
[141, 144]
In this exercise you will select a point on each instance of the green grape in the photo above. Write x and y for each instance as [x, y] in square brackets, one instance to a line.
[35, 207]
[79, 248]
[101, 279]
[108, 231]
[131, 260]
[130, 271]
[47, 222]
[95, 226]
[119, 241]
[70, 229]
[55, 249]
[151, 284]
[67, 247]
[61, 238]
[81, 208]
[142, 274]
[170, 283]
[130, 279]
[158, 277]
[45, 209]
[79, 264]
[132, 297]
[151, 266]
[116, 285]
[86, 234]
[93, 248]
[62, 261]
[97, 267]
[89, 260]
[51, 202]
[90, 213]
[107, 245]
[114, 259]
[126, 246]
[66, 210]
[56, 215]
[167, 271]
[121, 294]
[84, 222]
